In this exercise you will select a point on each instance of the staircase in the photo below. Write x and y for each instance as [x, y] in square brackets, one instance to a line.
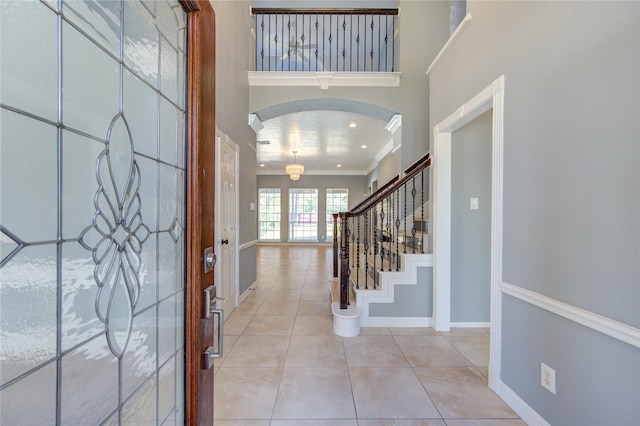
[383, 278]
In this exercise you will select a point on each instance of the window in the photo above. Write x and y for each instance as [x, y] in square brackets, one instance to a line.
[269, 214]
[303, 214]
[337, 201]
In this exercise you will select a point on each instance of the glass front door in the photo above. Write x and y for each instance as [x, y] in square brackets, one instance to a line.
[92, 212]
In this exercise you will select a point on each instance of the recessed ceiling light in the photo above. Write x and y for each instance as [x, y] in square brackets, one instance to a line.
[352, 125]
[363, 146]
[261, 165]
[338, 165]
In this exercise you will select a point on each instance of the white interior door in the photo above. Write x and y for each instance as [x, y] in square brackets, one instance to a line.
[227, 219]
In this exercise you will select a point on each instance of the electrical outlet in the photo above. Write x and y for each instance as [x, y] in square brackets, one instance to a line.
[548, 378]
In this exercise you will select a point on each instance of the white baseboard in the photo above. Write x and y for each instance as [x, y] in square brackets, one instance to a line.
[247, 292]
[521, 408]
[399, 322]
[471, 324]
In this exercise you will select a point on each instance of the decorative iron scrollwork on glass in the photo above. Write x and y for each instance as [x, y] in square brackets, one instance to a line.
[116, 235]
[10, 245]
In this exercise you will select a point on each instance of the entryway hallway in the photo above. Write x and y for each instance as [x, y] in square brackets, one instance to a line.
[283, 366]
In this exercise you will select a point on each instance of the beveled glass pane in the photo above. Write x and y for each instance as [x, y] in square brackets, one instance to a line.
[87, 66]
[29, 66]
[32, 400]
[180, 387]
[179, 314]
[166, 329]
[89, 384]
[28, 336]
[141, 42]
[167, 389]
[168, 196]
[148, 274]
[168, 132]
[140, 410]
[100, 19]
[181, 139]
[140, 107]
[168, 70]
[182, 75]
[28, 160]
[139, 361]
[167, 22]
[79, 291]
[169, 265]
[79, 182]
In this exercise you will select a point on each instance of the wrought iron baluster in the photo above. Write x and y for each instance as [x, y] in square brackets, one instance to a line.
[358, 46]
[404, 240]
[393, 44]
[317, 41]
[379, 42]
[364, 51]
[389, 232]
[371, 54]
[386, 42]
[330, 41]
[262, 47]
[351, 43]
[375, 245]
[344, 41]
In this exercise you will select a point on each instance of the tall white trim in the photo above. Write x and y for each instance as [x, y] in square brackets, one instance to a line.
[491, 97]
[612, 328]
[521, 408]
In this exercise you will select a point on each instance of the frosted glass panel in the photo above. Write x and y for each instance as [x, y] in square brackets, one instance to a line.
[141, 42]
[87, 66]
[180, 388]
[168, 196]
[149, 191]
[140, 410]
[28, 335]
[169, 265]
[166, 329]
[182, 75]
[32, 400]
[168, 132]
[168, 70]
[79, 290]
[167, 22]
[167, 388]
[28, 160]
[29, 66]
[100, 19]
[140, 108]
[139, 361]
[79, 182]
[89, 384]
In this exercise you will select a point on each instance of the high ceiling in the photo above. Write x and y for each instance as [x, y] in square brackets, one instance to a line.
[326, 142]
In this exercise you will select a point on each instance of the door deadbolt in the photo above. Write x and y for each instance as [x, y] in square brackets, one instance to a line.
[209, 259]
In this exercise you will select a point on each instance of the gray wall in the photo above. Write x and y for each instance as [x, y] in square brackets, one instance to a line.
[357, 186]
[471, 229]
[234, 56]
[571, 190]
[409, 300]
[424, 28]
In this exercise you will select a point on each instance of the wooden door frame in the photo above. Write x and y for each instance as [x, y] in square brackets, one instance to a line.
[200, 201]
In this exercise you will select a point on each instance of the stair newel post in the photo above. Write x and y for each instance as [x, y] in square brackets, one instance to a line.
[397, 230]
[422, 213]
[344, 262]
[382, 214]
[335, 245]
[375, 244]
[358, 255]
[366, 250]
[389, 233]
[413, 213]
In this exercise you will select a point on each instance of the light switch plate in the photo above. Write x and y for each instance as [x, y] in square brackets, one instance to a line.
[474, 204]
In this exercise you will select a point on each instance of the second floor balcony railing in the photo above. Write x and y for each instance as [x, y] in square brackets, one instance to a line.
[336, 40]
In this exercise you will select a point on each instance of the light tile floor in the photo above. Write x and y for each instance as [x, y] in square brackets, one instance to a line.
[283, 366]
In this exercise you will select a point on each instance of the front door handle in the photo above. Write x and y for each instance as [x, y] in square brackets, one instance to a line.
[225, 242]
[210, 354]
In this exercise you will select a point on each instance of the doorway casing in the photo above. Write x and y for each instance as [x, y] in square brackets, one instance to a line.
[492, 97]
